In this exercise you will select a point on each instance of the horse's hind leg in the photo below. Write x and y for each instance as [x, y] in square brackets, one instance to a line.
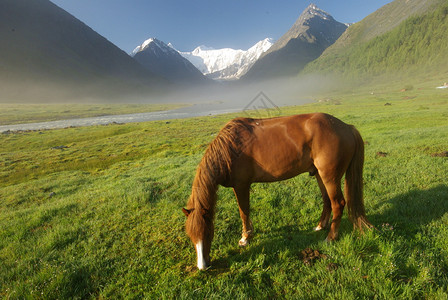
[326, 212]
[242, 196]
[337, 206]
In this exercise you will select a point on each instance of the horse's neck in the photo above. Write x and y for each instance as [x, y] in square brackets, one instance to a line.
[204, 190]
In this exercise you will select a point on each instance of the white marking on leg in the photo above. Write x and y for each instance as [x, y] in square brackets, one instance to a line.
[243, 242]
[246, 236]
[202, 265]
[318, 228]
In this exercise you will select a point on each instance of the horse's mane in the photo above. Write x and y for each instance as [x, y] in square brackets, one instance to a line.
[216, 163]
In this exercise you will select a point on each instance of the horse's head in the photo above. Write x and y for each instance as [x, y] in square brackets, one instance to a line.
[199, 227]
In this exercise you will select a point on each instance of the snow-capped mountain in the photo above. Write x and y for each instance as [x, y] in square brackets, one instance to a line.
[162, 59]
[226, 63]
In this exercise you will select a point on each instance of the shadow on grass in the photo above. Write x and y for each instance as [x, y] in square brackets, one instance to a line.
[406, 213]
[285, 238]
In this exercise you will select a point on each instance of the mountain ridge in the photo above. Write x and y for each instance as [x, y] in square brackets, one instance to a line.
[308, 37]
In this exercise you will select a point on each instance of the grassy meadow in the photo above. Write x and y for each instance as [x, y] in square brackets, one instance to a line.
[95, 212]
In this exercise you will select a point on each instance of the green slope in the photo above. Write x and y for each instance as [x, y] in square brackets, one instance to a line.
[384, 43]
[46, 54]
[381, 21]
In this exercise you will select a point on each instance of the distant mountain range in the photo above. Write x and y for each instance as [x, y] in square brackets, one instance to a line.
[393, 38]
[310, 35]
[47, 54]
[218, 64]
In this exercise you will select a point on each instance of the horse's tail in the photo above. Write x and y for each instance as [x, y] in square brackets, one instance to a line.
[354, 185]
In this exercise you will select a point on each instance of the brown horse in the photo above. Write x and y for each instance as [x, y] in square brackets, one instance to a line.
[266, 150]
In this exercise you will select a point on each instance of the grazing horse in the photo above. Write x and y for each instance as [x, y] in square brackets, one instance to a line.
[265, 150]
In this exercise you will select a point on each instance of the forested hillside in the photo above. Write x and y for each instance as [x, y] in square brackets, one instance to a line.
[419, 44]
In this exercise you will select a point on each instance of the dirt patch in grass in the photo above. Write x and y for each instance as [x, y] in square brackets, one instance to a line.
[309, 256]
[440, 154]
[381, 154]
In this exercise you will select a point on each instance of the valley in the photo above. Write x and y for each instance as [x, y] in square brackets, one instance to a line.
[94, 210]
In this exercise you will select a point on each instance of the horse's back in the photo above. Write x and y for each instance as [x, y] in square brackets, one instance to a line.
[308, 140]
[306, 127]
[283, 147]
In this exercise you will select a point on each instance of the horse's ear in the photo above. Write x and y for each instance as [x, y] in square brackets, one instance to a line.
[186, 211]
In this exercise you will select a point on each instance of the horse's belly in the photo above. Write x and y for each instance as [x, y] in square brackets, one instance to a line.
[271, 177]
[279, 170]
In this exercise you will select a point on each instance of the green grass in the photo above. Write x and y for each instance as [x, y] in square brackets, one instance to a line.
[102, 218]
[29, 113]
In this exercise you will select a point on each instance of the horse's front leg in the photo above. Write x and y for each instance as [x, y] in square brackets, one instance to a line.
[242, 196]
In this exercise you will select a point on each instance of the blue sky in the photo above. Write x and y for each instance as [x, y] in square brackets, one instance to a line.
[190, 23]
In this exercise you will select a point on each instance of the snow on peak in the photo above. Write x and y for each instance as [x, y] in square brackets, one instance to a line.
[147, 42]
[261, 47]
[226, 63]
[203, 48]
[313, 10]
[153, 42]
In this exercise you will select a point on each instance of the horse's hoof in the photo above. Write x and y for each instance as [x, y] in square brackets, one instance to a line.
[243, 242]
[317, 228]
